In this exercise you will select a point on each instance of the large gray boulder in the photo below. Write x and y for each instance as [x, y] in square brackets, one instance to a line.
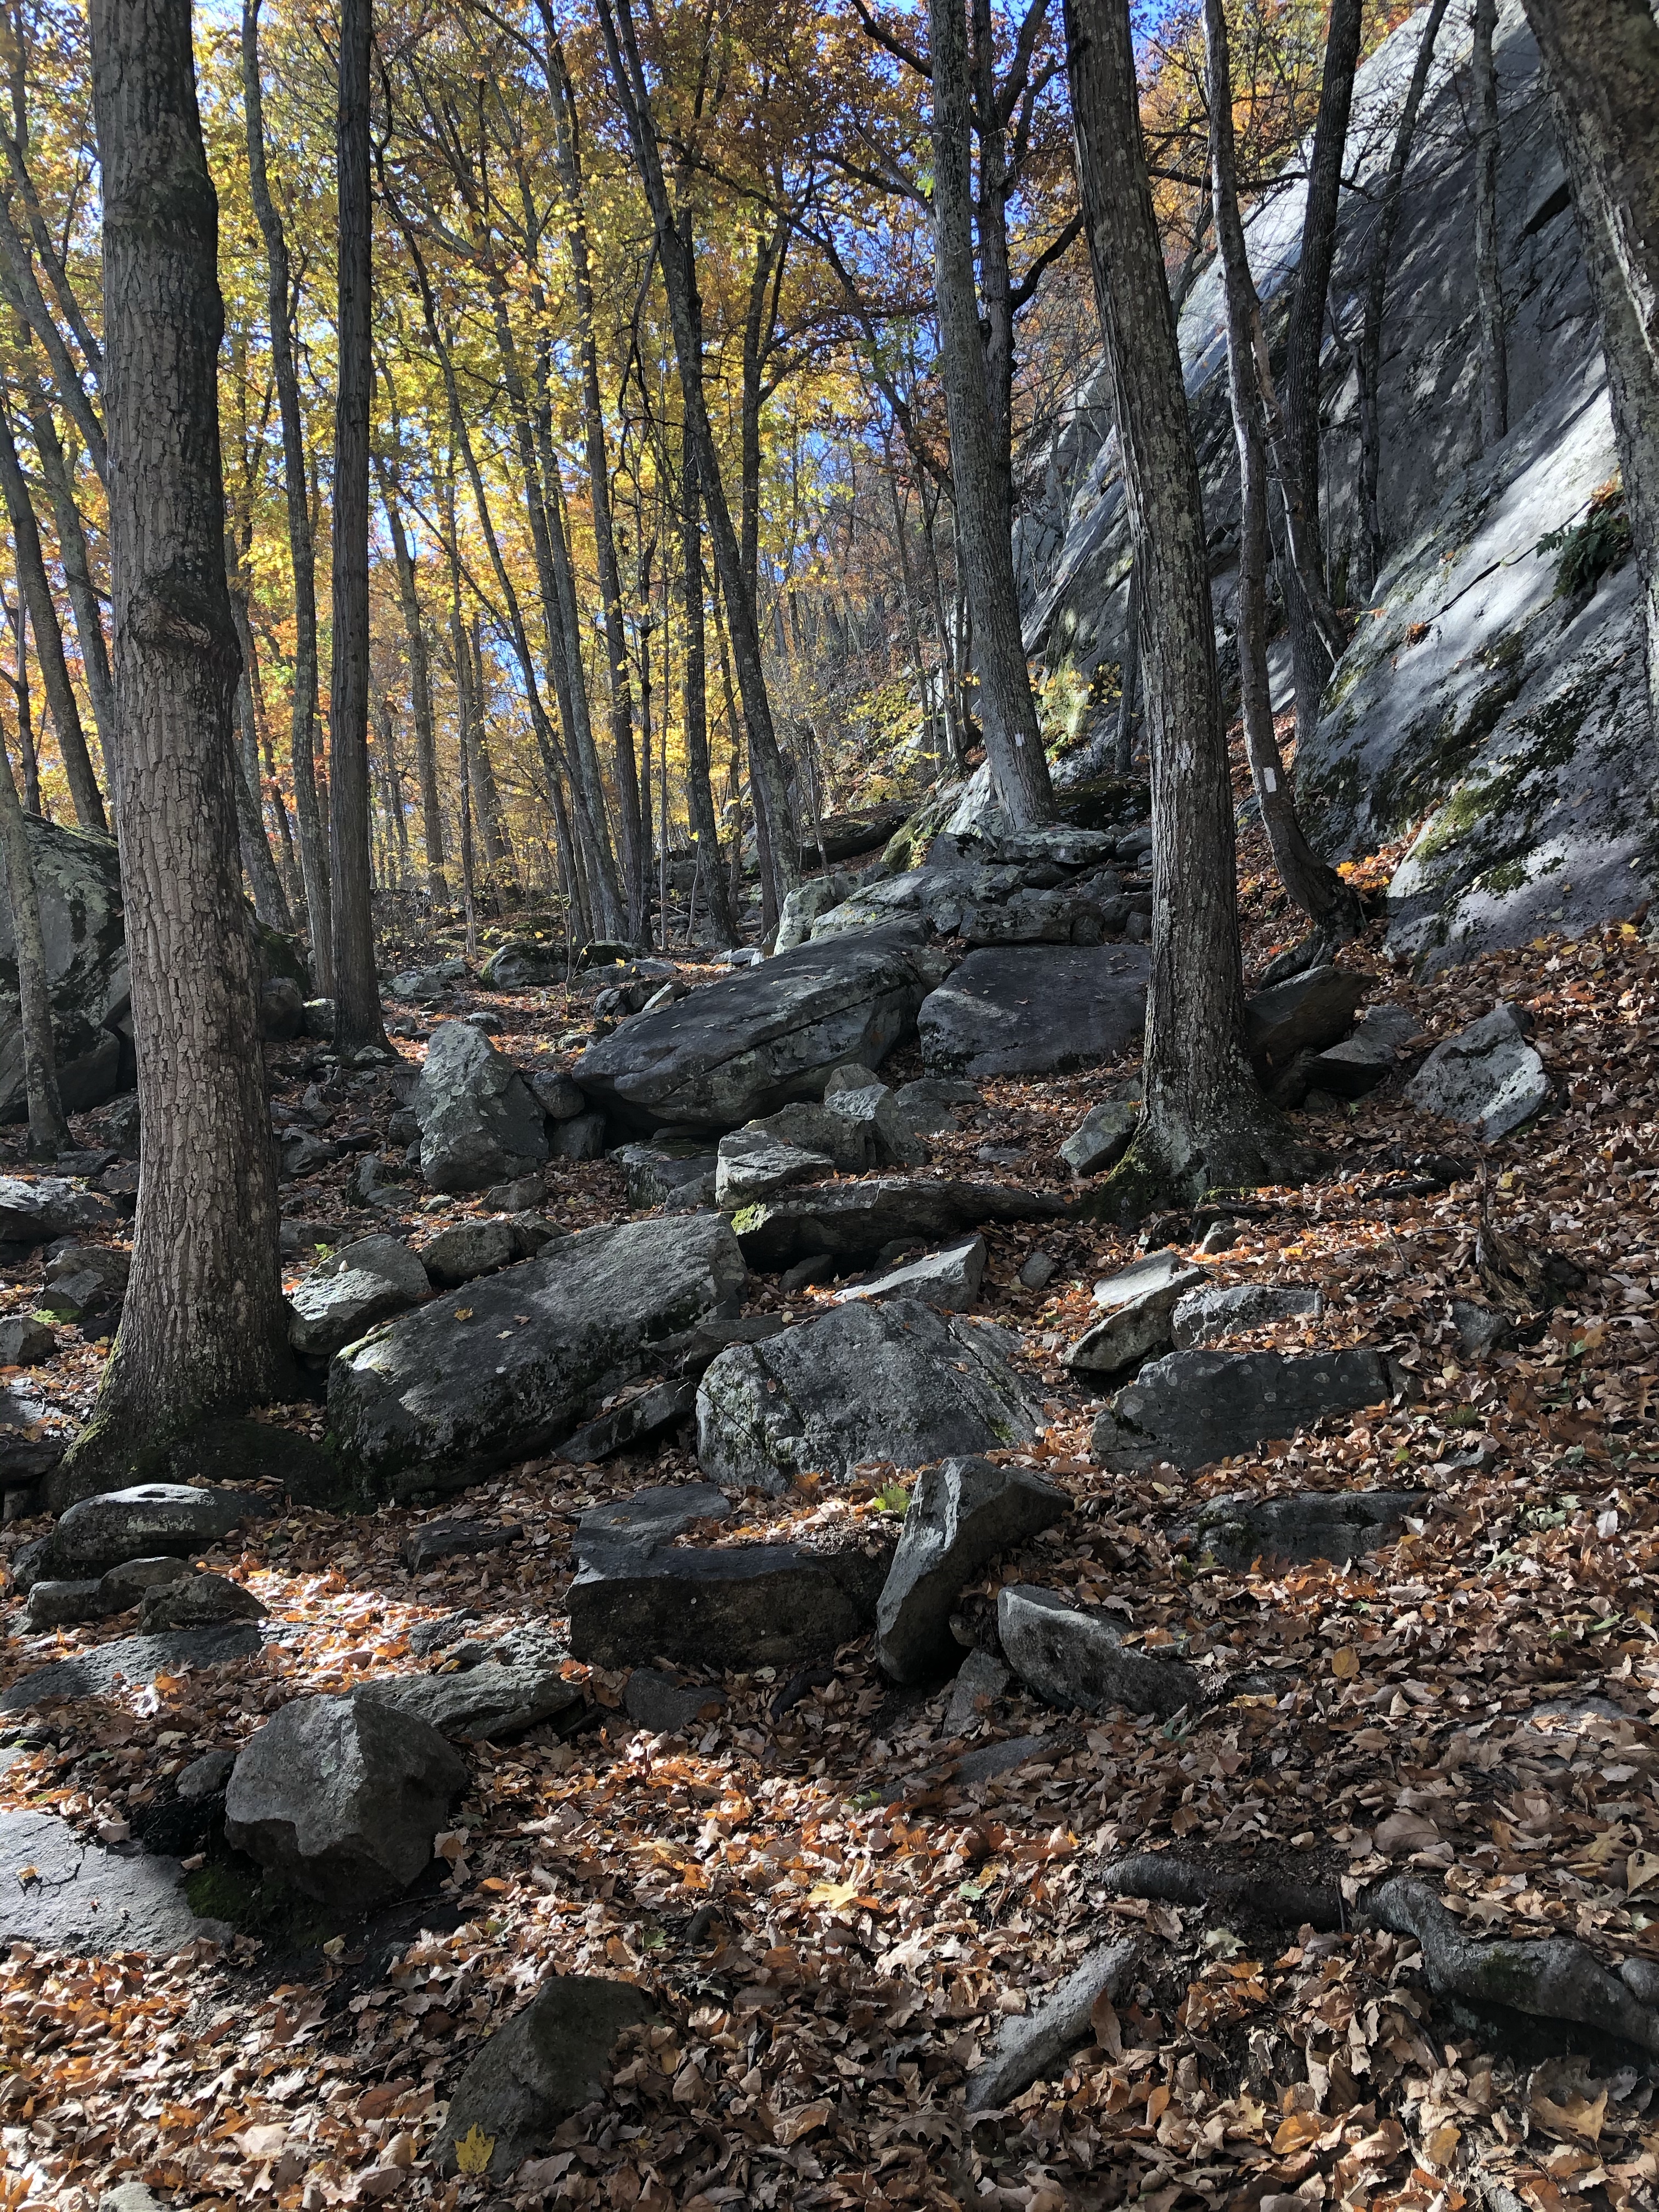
[480, 1122]
[516, 1362]
[143, 1522]
[1072, 1655]
[743, 1047]
[746, 1606]
[895, 1382]
[962, 1515]
[39, 1209]
[1036, 1010]
[1193, 1407]
[343, 1797]
[751, 1164]
[853, 1221]
[65, 1894]
[344, 1295]
[1486, 1076]
[77, 875]
[548, 2062]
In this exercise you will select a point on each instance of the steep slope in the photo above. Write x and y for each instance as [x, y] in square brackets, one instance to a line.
[1496, 725]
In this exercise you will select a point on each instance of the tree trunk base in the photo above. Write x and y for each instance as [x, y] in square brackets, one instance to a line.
[1167, 1168]
[107, 1455]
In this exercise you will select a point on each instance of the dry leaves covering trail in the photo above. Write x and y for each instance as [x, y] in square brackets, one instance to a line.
[835, 1923]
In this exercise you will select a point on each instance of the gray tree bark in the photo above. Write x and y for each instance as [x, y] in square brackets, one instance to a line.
[313, 839]
[1488, 274]
[1013, 742]
[420, 690]
[49, 1130]
[1329, 903]
[700, 797]
[1315, 644]
[269, 899]
[1602, 57]
[36, 588]
[77, 576]
[202, 1327]
[1206, 1122]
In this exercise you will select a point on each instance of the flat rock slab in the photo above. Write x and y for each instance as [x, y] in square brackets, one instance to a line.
[1036, 1010]
[895, 1382]
[1072, 1655]
[487, 1704]
[1486, 1076]
[756, 1605]
[1193, 1407]
[64, 1895]
[646, 1520]
[132, 1663]
[1028, 2046]
[1207, 1316]
[1314, 1525]
[746, 1045]
[855, 1220]
[962, 1515]
[451, 1540]
[1154, 1270]
[517, 1362]
[949, 1281]
[637, 1421]
[545, 2063]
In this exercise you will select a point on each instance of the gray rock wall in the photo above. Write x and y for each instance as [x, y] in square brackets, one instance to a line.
[1497, 727]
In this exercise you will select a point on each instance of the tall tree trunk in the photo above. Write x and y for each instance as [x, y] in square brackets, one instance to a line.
[49, 1131]
[1313, 646]
[680, 284]
[1013, 741]
[18, 617]
[77, 577]
[1205, 1123]
[1488, 273]
[1128, 698]
[1370, 358]
[313, 837]
[420, 689]
[359, 1025]
[567, 153]
[269, 900]
[35, 588]
[699, 791]
[1328, 902]
[1603, 58]
[202, 1327]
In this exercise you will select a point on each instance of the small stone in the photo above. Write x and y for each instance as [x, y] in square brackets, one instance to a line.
[1481, 1330]
[1152, 1273]
[64, 1604]
[980, 1680]
[1192, 1408]
[1072, 1655]
[467, 1249]
[744, 1606]
[519, 1195]
[558, 1095]
[25, 1342]
[852, 1076]
[200, 1600]
[1029, 2046]
[962, 1515]
[751, 1163]
[638, 1421]
[658, 1702]
[147, 1518]
[450, 1540]
[206, 1776]
[935, 1103]
[347, 1294]
[1101, 1139]
[125, 1586]
[580, 1139]
[491, 1703]
[1220, 1236]
[949, 1281]
[1486, 1076]
[816, 1268]
[1038, 1269]
[1137, 1329]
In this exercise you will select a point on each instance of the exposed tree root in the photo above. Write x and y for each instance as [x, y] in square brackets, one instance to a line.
[1156, 1173]
[1280, 1898]
[1553, 1978]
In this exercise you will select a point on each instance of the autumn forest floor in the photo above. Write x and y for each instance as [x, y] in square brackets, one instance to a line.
[832, 1923]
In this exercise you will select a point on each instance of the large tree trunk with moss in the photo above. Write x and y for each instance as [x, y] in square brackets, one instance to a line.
[1205, 1123]
[1013, 742]
[1602, 57]
[203, 1328]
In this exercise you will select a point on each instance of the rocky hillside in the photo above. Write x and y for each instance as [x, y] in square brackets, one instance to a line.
[1489, 718]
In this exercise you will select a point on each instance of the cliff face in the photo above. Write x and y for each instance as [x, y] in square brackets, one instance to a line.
[1483, 713]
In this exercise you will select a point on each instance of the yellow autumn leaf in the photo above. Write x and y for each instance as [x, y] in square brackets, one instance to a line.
[1344, 1663]
[1640, 1869]
[833, 1893]
[463, 1313]
[1439, 2148]
[474, 2149]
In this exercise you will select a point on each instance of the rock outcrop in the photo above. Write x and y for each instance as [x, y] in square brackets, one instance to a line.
[480, 1123]
[1038, 1010]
